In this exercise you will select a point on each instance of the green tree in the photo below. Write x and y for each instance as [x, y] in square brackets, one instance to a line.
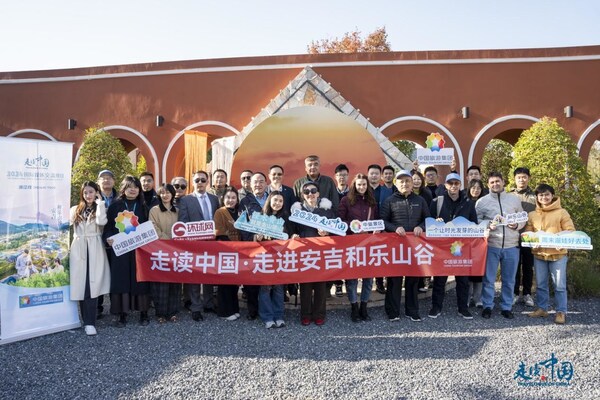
[551, 155]
[99, 151]
[496, 157]
[352, 42]
[141, 166]
[407, 148]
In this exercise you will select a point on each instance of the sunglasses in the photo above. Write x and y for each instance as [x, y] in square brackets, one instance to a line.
[310, 191]
[198, 180]
[178, 186]
[246, 178]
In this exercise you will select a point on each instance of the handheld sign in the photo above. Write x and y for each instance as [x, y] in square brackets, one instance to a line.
[131, 239]
[513, 218]
[576, 240]
[335, 226]
[357, 226]
[268, 225]
[199, 230]
[458, 227]
[434, 151]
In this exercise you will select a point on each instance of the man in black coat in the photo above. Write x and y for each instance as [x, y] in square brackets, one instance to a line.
[452, 204]
[403, 212]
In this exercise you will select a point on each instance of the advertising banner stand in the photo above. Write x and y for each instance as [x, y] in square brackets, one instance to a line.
[34, 231]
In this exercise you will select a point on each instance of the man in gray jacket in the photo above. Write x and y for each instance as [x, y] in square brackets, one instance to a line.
[503, 245]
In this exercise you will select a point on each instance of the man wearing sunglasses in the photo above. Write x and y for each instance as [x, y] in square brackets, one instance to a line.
[246, 188]
[452, 204]
[180, 184]
[326, 185]
[199, 206]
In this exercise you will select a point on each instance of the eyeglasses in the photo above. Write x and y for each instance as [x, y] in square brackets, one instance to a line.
[178, 186]
[198, 180]
[246, 178]
[310, 191]
[277, 174]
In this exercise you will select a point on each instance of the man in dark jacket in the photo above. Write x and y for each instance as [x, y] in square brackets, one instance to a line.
[447, 207]
[403, 212]
[150, 196]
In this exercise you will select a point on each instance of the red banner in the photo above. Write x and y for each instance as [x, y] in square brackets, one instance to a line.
[309, 260]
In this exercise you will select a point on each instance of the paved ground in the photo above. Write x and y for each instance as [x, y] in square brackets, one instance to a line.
[445, 358]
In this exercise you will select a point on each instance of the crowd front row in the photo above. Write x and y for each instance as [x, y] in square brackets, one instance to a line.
[96, 270]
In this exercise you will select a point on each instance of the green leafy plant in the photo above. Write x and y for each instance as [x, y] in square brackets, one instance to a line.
[44, 280]
[551, 155]
[497, 157]
[99, 151]
[407, 148]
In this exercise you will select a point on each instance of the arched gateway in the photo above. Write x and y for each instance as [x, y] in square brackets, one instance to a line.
[397, 95]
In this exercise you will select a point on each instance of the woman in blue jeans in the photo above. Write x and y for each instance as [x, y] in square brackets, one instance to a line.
[550, 217]
[270, 297]
[359, 204]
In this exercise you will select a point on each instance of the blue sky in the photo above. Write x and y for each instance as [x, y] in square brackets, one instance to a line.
[41, 34]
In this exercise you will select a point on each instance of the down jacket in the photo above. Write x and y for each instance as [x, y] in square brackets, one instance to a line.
[550, 219]
[405, 211]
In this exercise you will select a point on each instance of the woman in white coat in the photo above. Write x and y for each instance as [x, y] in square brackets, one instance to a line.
[89, 270]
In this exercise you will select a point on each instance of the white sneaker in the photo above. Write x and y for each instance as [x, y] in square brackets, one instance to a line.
[237, 315]
[269, 324]
[529, 300]
[90, 330]
[232, 317]
[280, 323]
[516, 299]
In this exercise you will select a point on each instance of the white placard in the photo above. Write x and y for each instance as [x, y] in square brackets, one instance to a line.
[373, 225]
[436, 157]
[125, 242]
[335, 226]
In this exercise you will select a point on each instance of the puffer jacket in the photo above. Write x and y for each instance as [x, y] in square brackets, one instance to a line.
[550, 219]
[405, 211]
[501, 203]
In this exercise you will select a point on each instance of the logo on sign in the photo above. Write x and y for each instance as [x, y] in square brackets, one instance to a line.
[456, 249]
[193, 230]
[37, 162]
[126, 221]
[545, 373]
[435, 141]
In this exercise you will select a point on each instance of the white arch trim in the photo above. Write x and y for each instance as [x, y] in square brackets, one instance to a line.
[441, 127]
[142, 137]
[491, 124]
[585, 133]
[45, 134]
[187, 128]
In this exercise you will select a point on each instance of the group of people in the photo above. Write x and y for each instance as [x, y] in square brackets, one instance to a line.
[403, 200]
[26, 268]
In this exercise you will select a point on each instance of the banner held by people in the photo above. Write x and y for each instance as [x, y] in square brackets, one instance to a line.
[309, 260]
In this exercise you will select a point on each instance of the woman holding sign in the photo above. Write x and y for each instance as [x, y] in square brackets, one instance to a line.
[550, 217]
[126, 293]
[270, 298]
[89, 270]
[166, 295]
[360, 205]
[225, 217]
[312, 295]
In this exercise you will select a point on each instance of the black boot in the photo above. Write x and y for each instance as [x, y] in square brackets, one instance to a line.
[363, 311]
[120, 323]
[354, 315]
[144, 318]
